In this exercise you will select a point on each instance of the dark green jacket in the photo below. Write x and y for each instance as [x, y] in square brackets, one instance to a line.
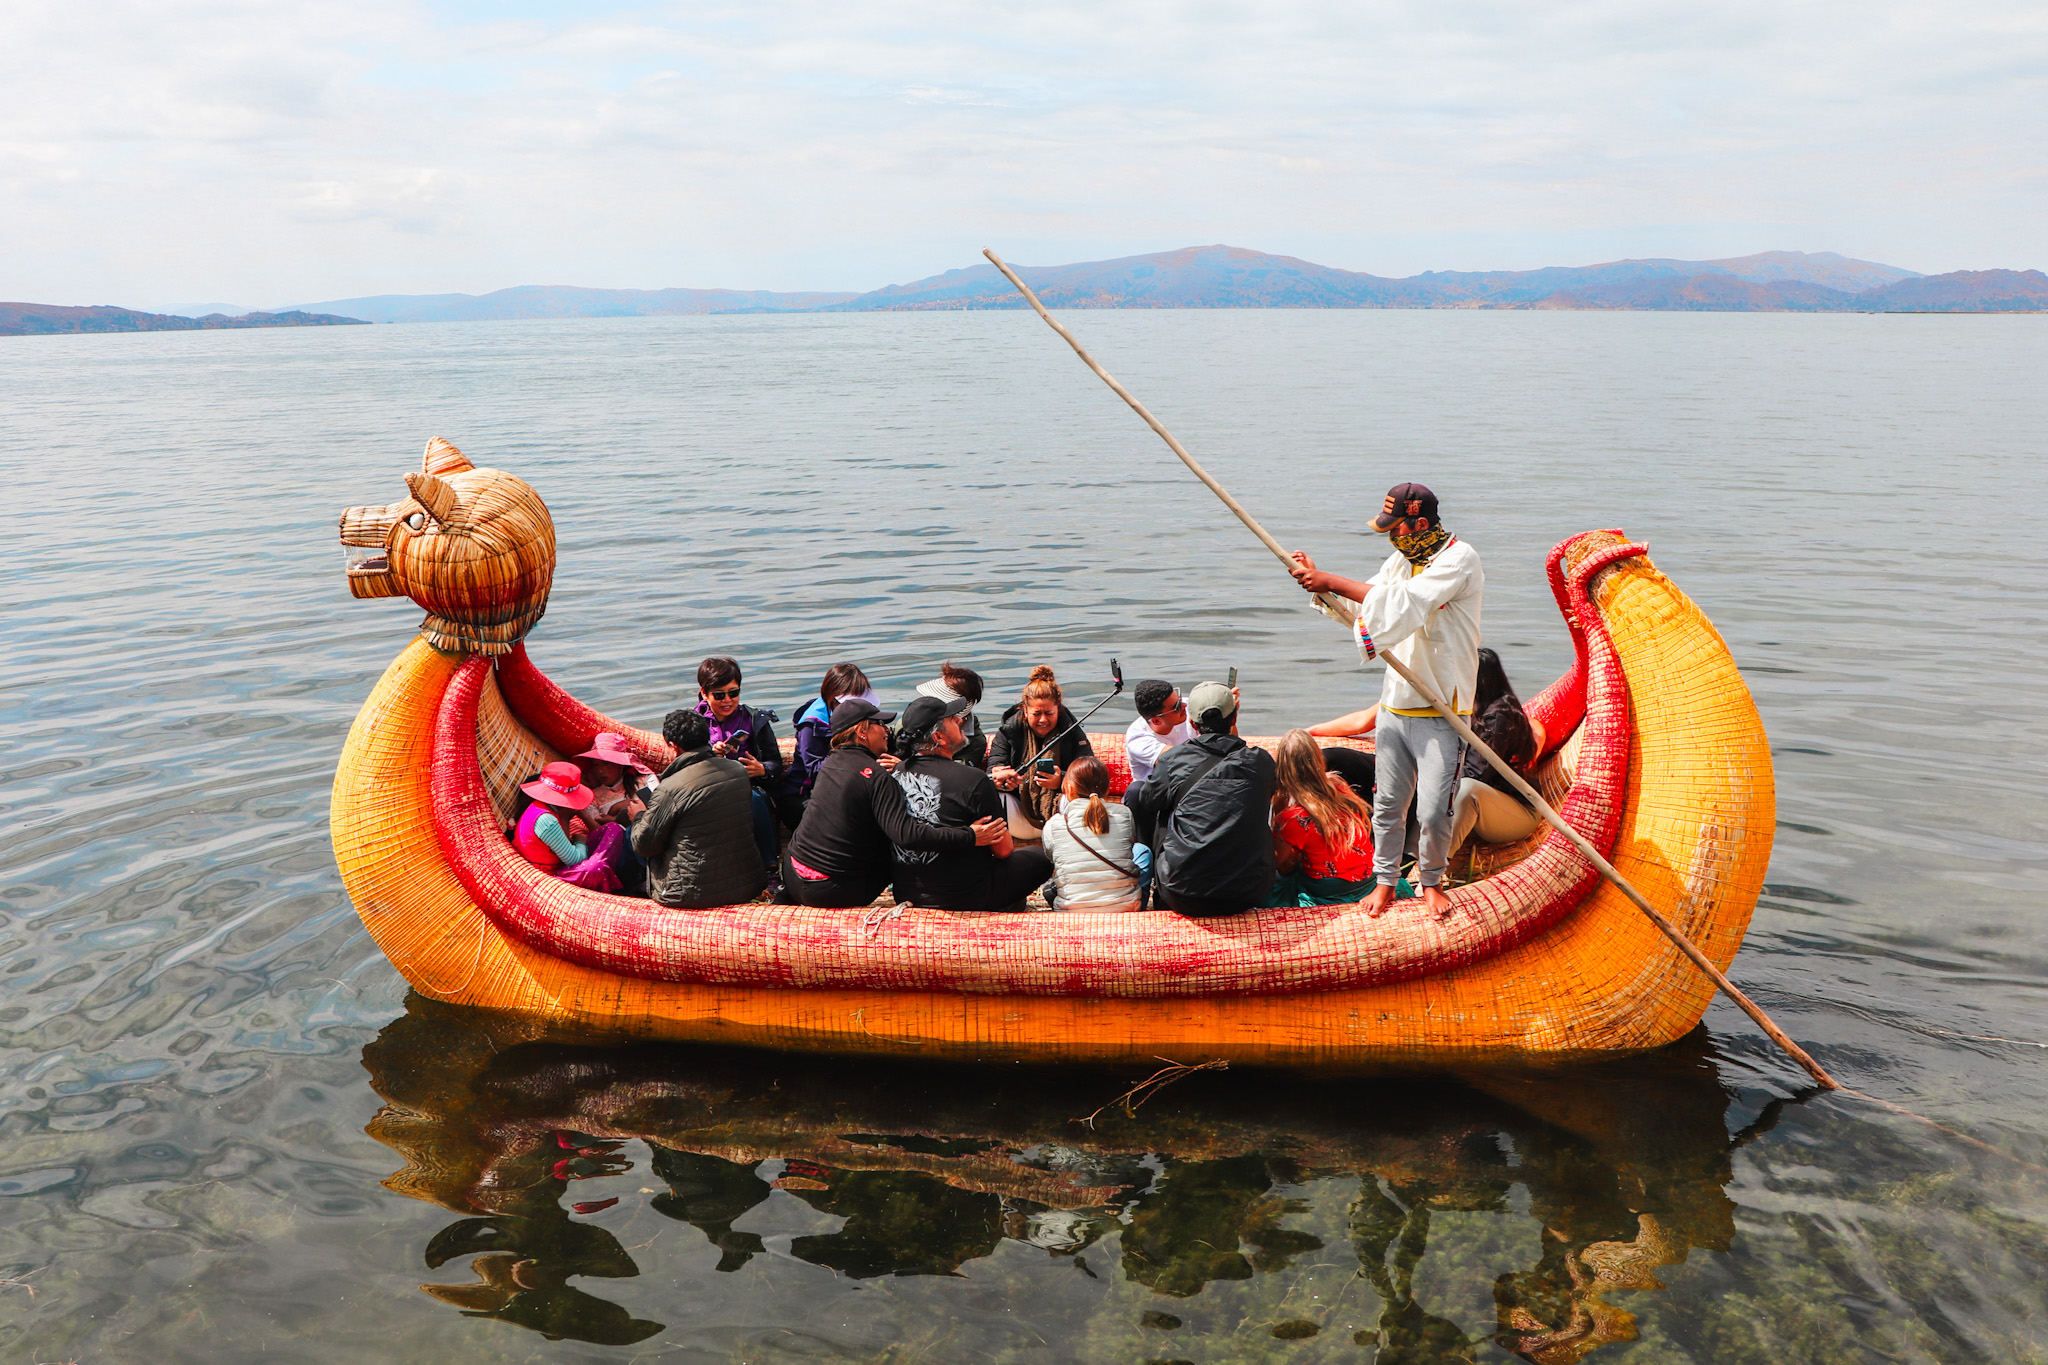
[697, 834]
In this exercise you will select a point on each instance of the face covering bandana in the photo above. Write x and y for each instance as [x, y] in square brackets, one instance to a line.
[1422, 547]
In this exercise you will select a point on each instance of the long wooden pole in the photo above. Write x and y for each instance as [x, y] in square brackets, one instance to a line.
[1343, 610]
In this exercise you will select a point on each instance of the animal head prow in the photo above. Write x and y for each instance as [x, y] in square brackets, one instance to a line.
[474, 547]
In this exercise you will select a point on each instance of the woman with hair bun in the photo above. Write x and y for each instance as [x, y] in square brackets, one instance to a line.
[1027, 767]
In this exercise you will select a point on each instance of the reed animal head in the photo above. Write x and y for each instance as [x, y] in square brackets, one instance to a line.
[475, 547]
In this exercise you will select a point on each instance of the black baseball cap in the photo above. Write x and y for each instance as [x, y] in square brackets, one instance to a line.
[852, 712]
[923, 715]
[1405, 501]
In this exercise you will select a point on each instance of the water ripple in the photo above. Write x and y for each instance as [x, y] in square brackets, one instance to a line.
[185, 994]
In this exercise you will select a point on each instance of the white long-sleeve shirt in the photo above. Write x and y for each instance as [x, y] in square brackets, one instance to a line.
[1429, 620]
[1144, 748]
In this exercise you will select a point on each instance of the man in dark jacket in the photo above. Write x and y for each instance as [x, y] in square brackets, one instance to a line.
[1211, 801]
[940, 791]
[697, 833]
[841, 855]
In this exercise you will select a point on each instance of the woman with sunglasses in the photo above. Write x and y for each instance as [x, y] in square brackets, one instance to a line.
[748, 737]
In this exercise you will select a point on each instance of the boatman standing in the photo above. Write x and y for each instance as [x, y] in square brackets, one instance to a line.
[1422, 607]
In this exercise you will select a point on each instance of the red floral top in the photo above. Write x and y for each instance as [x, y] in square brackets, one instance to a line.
[1318, 859]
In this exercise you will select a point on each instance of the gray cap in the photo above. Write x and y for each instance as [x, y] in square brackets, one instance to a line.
[1207, 698]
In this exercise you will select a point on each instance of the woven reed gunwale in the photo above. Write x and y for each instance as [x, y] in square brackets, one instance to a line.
[1691, 825]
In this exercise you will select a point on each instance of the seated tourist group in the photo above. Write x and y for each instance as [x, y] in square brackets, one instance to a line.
[925, 803]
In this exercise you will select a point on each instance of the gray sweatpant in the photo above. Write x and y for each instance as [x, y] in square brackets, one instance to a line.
[1416, 760]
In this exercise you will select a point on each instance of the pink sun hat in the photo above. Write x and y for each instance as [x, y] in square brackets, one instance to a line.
[561, 785]
[608, 746]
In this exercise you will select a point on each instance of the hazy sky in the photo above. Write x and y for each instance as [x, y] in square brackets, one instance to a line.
[155, 151]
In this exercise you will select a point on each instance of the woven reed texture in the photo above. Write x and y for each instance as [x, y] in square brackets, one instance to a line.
[1701, 817]
[441, 457]
[369, 528]
[481, 562]
[1694, 831]
[566, 723]
[507, 751]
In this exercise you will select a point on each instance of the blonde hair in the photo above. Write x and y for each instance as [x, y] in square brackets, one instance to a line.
[1042, 687]
[1339, 814]
[1088, 777]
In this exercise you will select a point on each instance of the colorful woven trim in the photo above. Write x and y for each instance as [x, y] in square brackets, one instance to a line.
[1363, 637]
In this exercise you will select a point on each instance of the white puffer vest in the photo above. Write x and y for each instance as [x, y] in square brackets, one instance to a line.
[1085, 883]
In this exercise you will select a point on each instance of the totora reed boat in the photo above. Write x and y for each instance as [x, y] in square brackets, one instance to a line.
[1662, 764]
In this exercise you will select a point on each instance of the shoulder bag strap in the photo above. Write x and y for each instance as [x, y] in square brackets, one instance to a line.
[1201, 771]
[1067, 819]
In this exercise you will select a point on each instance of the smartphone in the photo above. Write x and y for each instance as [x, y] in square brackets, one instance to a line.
[1233, 679]
[1046, 765]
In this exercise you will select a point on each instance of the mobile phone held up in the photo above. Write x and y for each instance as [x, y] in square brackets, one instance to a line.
[1233, 679]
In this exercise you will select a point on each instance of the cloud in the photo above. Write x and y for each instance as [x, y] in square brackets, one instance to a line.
[232, 149]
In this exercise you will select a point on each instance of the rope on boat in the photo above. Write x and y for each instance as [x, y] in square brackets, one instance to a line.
[871, 922]
[483, 927]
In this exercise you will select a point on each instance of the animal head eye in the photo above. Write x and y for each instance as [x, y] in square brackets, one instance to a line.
[416, 520]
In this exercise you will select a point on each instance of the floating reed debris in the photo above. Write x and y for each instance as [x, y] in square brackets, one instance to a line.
[1152, 1085]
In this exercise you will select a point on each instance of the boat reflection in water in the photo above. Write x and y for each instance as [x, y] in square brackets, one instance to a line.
[1620, 1169]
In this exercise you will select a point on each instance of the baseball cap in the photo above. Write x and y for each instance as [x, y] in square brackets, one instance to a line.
[852, 712]
[1211, 697]
[1405, 500]
[923, 715]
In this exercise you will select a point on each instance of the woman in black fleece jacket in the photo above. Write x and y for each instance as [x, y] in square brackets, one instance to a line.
[1032, 794]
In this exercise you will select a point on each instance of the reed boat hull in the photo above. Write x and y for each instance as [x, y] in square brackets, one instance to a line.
[1673, 780]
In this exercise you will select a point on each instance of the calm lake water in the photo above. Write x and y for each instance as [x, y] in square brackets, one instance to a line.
[226, 1135]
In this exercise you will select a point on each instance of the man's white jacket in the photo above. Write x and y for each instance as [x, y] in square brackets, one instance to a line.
[1429, 620]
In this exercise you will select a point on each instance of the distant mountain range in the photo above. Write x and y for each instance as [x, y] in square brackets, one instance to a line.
[571, 301]
[1234, 277]
[38, 319]
[1193, 277]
